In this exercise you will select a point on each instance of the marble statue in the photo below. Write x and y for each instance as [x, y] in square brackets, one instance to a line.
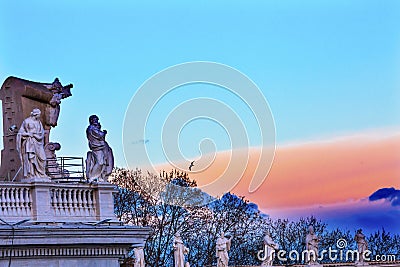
[270, 248]
[19, 97]
[30, 146]
[100, 160]
[139, 257]
[53, 108]
[362, 246]
[223, 245]
[312, 242]
[179, 251]
[53, 169]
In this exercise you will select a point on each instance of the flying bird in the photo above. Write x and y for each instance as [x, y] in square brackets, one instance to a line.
[191, 165]
[141, 141]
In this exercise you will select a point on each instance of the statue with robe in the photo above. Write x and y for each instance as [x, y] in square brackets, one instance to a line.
[60, 92]
[362, 246]
[312, 243]
[270, 248]
[139, 257]
[100, 158]
[53, 108]
[179, 251]
[223, 245]
[30, 146]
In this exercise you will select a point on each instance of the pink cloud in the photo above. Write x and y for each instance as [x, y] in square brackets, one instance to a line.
[320, 173]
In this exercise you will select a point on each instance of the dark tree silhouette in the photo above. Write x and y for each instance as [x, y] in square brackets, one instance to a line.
[170, 202]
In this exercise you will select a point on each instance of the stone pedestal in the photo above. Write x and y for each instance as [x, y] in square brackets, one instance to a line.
[63, 225]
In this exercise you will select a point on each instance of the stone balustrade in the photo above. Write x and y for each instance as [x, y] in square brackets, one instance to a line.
[76, 202]
[15, 201]
[53, 202]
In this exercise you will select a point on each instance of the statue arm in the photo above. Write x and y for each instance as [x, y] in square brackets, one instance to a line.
[19, 146]
[217, 247]
[309, 241]
[312, 238]
[359, 238]
[40, 135]
[23, 132]
[228, 244]
[26, 134]
[98, 133]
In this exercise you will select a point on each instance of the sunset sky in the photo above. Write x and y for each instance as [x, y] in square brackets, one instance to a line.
[330, 179]
[329, 71]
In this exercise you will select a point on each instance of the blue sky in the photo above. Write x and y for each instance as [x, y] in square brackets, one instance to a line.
[326, 67]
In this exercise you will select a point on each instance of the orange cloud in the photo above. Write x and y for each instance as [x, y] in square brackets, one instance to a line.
[317, 173]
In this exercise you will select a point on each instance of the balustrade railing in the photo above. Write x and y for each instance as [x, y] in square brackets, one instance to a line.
[55, 202]
[15, 201]
[73, 202]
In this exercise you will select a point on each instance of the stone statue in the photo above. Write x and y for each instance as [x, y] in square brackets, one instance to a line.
[19, 97]
[100, 160]
[362, 246]
[312, 242]
[179, 251]
[222, 247]
[270, 248]
[53, 108]
[139, 257]
[30, 146]
[53, 169]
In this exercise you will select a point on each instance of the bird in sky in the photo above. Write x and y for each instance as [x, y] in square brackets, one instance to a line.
[141, 141]
[191, 165]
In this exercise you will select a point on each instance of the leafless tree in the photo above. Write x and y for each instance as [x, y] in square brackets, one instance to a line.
[170, 202]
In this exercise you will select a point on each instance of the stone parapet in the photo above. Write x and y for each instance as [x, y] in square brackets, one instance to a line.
[69, 244]
[54, 202]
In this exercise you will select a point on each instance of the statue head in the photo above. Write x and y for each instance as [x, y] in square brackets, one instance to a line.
[311, 229]
[93, 119]
[222, 234]
[359, 231]
[177, 234]
[35, 113]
